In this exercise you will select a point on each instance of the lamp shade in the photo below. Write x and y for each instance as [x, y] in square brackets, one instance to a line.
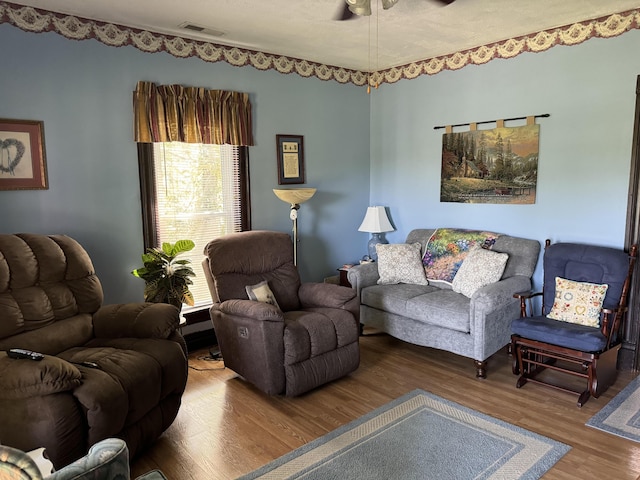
[294, 196]
[360, 7]
[376, 221]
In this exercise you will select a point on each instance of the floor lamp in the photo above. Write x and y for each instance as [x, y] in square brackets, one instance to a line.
[294, 197]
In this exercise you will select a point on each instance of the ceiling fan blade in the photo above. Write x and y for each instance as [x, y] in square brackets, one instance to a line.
[353, 8]
[344, 13]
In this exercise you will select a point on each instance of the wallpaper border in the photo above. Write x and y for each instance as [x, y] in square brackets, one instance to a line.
[34, 20]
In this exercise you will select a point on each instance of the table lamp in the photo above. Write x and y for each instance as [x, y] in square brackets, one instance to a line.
[376, 222]
[294, 197]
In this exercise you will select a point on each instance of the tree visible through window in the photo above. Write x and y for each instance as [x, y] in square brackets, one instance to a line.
[193, 191]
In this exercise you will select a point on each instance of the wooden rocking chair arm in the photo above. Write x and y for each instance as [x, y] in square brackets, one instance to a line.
[610, 311]
[525, 297]
[611, 322]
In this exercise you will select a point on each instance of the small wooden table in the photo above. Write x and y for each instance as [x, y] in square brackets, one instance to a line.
[344, 281]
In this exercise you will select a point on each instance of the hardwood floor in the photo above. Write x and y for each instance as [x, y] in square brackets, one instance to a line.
[226, 428]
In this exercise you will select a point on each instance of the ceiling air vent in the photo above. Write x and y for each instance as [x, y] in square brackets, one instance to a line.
[200, 29]
[195, 28]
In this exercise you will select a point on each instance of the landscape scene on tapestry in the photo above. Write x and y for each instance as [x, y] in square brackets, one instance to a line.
[490, 166]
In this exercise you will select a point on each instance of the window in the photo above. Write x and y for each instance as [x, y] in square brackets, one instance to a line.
[193, 191]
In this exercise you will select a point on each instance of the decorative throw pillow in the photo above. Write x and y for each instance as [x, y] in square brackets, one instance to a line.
[400, 263]
[578, 302]
[260, 292]
[480, 267]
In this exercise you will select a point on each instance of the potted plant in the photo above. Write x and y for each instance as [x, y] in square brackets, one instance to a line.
[167, 278]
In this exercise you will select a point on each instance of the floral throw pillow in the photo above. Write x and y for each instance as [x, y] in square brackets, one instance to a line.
[578, 302]
[260, 292]
[400, 263]
[480, 267]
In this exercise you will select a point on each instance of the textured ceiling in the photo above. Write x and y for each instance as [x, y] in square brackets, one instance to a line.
[412, 30]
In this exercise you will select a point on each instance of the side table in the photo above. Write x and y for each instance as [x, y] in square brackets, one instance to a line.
[344, 281]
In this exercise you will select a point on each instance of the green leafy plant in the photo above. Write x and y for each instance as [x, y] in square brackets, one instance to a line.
[167, 278]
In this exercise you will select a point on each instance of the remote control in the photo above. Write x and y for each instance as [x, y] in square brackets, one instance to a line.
[89, 364]
[21, 353]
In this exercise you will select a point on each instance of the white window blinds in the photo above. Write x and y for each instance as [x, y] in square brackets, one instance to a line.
[198, 197]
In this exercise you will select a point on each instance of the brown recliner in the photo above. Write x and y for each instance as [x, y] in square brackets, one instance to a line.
[108, 371]
[308, 339]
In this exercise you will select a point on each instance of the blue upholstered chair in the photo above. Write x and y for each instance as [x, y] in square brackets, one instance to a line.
[106, 460]
[584, 300]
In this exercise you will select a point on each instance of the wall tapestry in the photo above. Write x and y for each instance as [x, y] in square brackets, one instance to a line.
[490, 166]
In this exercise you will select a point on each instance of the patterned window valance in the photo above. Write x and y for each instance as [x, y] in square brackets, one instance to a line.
[173, 113]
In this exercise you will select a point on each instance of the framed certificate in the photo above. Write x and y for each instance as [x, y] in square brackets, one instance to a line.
[290, 159]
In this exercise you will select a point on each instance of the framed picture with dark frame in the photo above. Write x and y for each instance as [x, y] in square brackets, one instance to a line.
[290, 159]
[22, 158]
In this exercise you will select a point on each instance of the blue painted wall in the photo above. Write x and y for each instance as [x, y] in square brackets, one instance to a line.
[83, 93]
[585, 145]
[360, 150]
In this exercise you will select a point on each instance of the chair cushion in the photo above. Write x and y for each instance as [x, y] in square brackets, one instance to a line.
[393, 298]
[23, 379]
[578, 302]
[585, 263]
[424, 303]
[315, 331]
[133, 377]
[563, 334]
[443, 308]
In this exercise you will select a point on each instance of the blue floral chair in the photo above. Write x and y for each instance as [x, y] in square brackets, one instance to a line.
[106, 460]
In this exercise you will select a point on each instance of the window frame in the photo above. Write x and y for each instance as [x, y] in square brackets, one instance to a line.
[146, 170]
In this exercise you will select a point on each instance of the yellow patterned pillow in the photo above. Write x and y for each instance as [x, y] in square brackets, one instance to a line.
[578, 302]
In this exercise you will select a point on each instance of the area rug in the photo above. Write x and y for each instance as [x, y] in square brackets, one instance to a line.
[420, 436]
[621, 416]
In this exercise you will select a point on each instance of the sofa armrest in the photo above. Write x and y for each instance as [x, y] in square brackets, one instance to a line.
[249, 309]
[499, 293]
[23, 378]
[136, 320]
[363, 275]
[325, 295]
[492, 310]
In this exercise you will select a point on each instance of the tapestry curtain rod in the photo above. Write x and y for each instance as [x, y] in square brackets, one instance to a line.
[492, 121]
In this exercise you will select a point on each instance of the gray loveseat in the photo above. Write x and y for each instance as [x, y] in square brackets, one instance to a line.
[436, 316]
